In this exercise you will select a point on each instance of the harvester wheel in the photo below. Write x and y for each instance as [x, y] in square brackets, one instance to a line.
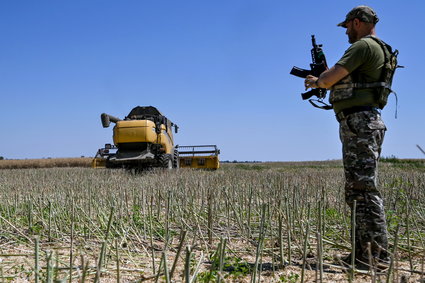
[166, 161]
[176, 163]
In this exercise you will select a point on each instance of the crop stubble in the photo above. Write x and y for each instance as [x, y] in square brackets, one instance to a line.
[276, 221]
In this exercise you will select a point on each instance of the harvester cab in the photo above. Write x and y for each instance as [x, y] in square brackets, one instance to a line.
[143, 139]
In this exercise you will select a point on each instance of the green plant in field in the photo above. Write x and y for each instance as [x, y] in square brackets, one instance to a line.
[393, 220]
[290, 278]
[235, 267]
[137, 216]
[399, 184]
[334, 216]
[390, 159]
[404, 163]
[332, 213]
[37, 228]
[207, 276]
[401, 200]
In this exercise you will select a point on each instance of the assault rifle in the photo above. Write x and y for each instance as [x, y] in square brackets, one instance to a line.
[317, 66]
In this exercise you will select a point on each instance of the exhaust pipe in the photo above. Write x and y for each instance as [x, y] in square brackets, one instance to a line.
[107, 119]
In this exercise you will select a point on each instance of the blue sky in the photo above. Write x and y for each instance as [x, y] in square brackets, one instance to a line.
[219, 69]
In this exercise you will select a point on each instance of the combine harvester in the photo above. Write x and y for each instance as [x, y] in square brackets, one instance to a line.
[144, 139]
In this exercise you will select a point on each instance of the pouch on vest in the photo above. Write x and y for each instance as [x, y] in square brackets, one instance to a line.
[341, 91]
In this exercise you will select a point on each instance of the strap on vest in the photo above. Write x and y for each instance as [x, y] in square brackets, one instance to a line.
[369, 85]
[396, 103]
[361, 85]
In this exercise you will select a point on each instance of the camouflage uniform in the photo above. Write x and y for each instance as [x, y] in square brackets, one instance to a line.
[362, 134]
[362, 131]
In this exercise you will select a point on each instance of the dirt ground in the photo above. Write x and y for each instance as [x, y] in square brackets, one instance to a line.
[17, 264]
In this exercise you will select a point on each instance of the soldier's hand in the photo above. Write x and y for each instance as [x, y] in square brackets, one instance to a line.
[310, 82]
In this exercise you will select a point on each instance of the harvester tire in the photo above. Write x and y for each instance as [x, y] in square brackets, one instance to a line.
[166, 161]
[176, 163]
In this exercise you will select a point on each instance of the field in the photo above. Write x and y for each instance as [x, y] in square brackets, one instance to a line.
[263, 222]
[45, 163]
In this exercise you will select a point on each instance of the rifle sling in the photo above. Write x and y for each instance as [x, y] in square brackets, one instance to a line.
[324, 106]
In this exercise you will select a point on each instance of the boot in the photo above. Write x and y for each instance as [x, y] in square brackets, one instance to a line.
[370, 231]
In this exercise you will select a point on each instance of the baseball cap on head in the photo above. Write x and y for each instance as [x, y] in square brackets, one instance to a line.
[363, 13]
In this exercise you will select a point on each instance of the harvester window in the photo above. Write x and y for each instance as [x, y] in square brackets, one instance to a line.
[201, 161]
[187, 161]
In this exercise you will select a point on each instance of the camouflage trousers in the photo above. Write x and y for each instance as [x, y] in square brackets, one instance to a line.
[362, 134]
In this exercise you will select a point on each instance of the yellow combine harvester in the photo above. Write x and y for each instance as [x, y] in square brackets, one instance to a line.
[144, 139]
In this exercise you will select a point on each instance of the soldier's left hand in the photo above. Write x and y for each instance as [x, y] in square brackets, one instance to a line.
[310, 82]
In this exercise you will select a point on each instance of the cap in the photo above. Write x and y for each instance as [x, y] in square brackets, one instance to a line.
[363, 13]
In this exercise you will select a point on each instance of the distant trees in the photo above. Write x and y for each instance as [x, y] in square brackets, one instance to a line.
[1, 157]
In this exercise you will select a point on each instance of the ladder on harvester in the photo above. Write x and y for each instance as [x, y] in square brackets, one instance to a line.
[100, 160]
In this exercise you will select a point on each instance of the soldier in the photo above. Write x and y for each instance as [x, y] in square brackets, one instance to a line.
[359, 84]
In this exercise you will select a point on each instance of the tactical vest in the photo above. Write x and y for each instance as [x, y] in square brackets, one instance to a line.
[344, 89]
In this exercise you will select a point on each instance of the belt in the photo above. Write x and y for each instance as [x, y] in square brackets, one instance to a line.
[344, 113]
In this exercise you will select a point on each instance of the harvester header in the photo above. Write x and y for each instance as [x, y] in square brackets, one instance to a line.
[199, 156]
